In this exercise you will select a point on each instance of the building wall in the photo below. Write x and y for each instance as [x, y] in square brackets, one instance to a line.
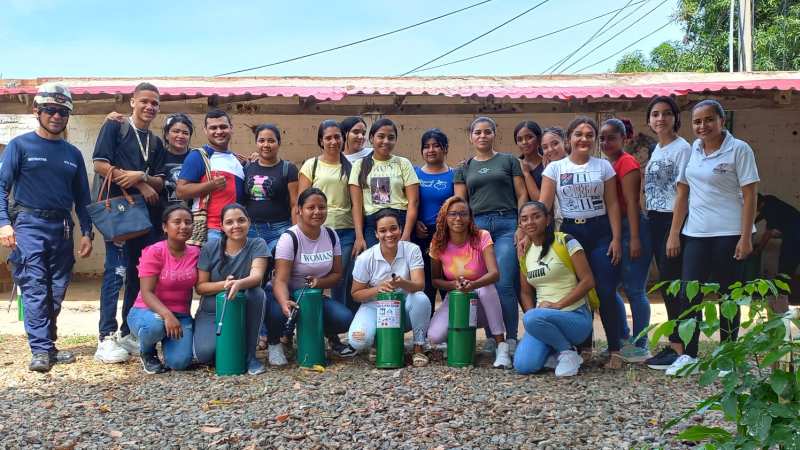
[773, 134]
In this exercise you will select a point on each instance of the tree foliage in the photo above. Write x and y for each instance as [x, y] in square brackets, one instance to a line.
[704, 48]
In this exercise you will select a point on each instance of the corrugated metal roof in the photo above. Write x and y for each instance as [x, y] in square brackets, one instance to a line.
[547, 87]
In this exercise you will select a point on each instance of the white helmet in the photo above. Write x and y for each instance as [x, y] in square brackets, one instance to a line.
[53, 93]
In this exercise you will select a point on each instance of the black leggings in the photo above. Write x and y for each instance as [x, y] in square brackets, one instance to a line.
[710, 259]
[668, 268]
[205, 338]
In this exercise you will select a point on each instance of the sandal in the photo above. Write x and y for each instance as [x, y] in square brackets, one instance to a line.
[615, 362]
[419, 360]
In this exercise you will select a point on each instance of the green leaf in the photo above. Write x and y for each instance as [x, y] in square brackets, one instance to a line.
[692, 289]
[674, 288]
[782, 410]
[779, 380]
[763, 287]
[708, 377]
[665, 329]
[686, 330]
[762, 426]
[657, 286]
[699, 432]
[736, 293]
[782, 285]
[730, 406]
[774, 356]
[710, 313]
[709, 288]
[729, 309]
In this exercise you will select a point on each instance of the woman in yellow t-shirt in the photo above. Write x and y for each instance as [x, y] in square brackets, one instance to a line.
[561, 318]
[383, 181]
[330, 172]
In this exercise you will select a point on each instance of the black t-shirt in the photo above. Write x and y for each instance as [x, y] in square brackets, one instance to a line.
[172, 168]
[124, 152]
[779, 215]
[266, 191]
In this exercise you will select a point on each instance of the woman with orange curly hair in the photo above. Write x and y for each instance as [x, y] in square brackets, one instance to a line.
[462, 258]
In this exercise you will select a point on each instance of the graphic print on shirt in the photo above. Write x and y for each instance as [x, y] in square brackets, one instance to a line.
[538, 272]
[260, 187]
[581, 191]
[659, 184]
[171, 181]
[380, 189]
[316, 258]
[439, 185]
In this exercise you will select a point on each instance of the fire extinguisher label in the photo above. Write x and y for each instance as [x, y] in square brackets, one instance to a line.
[388, 313]
[473, 313]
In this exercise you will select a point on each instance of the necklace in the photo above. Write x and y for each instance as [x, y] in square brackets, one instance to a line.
[143, 149]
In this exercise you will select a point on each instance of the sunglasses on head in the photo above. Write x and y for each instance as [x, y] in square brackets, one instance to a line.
[52, 110]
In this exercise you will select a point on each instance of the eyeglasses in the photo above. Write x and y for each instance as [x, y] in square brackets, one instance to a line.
[52, 110]
[455, 214]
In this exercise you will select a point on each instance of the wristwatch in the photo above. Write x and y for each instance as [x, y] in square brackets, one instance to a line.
[90, 235]
[145, 177]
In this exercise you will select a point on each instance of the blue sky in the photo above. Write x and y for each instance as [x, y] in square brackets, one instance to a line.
[51, 38]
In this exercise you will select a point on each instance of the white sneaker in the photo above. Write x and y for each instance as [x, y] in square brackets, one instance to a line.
[109, 352]
[489, 345]
[569, 361]
[551, 362]
[512, 346]
[276, 355]
[130, 344]
[502, 359]
[680, 363]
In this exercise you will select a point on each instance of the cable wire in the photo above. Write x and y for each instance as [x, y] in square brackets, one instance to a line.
[625, 48]
[552, 69]
[564, 69]
[535, 38]
[477, 37]
[360, 41]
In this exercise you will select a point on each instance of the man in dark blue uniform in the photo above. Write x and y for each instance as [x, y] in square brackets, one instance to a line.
[48, 176]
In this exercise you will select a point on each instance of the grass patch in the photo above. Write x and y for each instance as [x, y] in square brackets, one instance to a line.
[76, 339]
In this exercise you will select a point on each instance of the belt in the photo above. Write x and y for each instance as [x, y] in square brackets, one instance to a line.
[582, 221]
[53, 214]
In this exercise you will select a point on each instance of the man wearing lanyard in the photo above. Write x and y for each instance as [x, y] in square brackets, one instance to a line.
[49, 177]
[137, 157]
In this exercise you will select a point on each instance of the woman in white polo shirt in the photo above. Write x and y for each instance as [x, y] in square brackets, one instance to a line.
[392, 264]
[720, 183]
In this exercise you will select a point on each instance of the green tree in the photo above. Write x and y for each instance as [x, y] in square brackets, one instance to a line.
[704, 48]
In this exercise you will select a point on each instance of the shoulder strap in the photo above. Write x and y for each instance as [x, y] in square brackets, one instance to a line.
[314, 169]
[331, 236]
[124, 128]
[295, 244]
[285, 168]
[560, 247]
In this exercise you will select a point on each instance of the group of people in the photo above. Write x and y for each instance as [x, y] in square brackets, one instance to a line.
[556, 230]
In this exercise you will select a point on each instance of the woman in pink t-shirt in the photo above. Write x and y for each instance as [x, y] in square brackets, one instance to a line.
[167, 274]
[462, 258]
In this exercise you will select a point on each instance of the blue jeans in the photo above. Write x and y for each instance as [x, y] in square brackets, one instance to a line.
[595, 237]
[149, 328]
[341, 293]
[335, 316]
[121, 267]
[501, 226]
[269, 232]
[549, 331]
[369, 226]
[634, 281]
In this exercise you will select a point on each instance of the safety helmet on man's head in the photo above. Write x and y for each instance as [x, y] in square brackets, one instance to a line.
[53, 93]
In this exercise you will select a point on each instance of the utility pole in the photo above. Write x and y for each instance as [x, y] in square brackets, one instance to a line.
[746, 35]
[730, 37]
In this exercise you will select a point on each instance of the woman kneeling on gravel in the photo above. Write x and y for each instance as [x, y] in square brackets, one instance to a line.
[231, 263]
[555, 266]
[390, 265]
[161, 313]
[462, 258]
[307, 254]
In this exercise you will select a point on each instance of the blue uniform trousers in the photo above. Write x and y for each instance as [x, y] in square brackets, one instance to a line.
[42, 261]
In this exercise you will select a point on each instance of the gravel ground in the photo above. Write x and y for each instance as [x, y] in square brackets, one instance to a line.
[349, 405]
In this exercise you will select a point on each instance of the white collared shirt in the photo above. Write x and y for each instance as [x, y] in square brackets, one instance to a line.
[715, 187]
[371, 267]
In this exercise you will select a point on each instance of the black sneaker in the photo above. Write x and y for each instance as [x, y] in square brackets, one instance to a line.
[151, 364]
[61, 357]
[40, 362]
[342, 350]
[663, 359]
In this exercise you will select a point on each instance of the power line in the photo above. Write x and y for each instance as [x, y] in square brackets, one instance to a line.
[360, 41]
[564, 69]
[625, 48]
[477, 37]
[535, 38]
[552, 69]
